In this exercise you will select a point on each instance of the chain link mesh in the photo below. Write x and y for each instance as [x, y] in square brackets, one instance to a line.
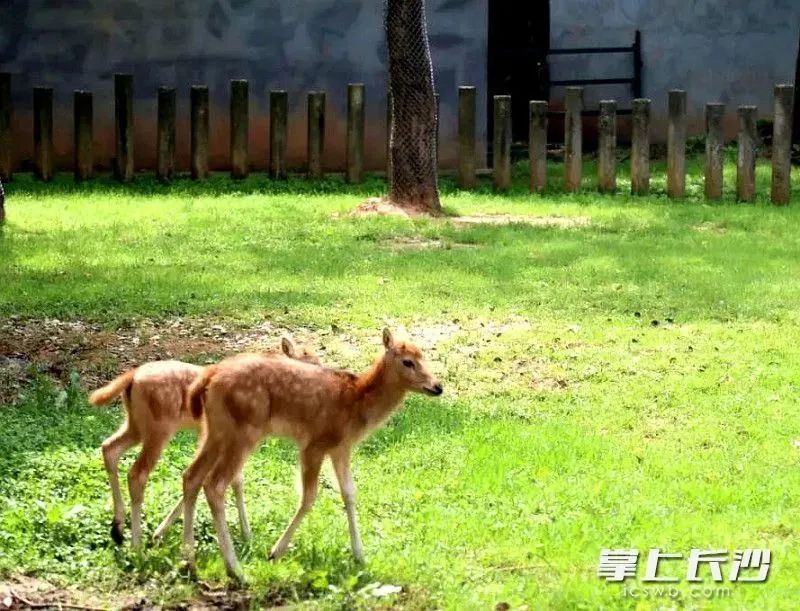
[412, 140]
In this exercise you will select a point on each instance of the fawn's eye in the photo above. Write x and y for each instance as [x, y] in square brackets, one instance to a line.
[408, 363]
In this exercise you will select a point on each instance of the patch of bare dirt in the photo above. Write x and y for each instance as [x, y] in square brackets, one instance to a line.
[56, 348]
[561, 222]
[383, 206]
[419, 243]
[13, 374]
[22, 592]
[548, 384]
[379, 206]
[711, 227]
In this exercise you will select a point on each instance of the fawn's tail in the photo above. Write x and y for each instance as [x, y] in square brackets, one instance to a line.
[113, 389]
[196, 393]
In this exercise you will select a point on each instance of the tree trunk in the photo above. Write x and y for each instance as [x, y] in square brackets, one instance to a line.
[413, 130]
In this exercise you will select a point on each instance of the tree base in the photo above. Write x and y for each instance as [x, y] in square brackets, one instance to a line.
[384, 206]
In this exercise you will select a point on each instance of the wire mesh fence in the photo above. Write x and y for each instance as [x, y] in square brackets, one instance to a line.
[412, 139]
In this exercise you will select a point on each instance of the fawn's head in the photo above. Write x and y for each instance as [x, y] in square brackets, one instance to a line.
[405, 360]
[300, 353]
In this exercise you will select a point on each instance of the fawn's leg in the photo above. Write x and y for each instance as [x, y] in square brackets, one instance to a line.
[137, 478]
[219, 478]
[244, 524]
[113, 448]
[341, 464]
[176, 512]
[311, 460]
[192, 480]
[168, 521]
[238, 492]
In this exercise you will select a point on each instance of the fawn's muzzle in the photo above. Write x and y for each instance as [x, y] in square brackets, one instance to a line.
[434, 390]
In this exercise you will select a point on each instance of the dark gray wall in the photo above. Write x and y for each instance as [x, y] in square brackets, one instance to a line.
[730, 51]
[298, 45]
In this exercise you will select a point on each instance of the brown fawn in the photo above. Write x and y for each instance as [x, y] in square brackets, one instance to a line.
[325, 411]
[155, 410]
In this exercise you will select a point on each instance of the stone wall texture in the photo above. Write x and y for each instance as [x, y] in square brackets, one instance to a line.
[731, 51]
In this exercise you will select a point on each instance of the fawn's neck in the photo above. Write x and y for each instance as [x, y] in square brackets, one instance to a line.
[377, 394]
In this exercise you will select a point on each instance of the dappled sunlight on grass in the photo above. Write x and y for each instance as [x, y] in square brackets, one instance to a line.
[626, 381]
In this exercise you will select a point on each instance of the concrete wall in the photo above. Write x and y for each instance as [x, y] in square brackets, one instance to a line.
[730, 51]
[297, 45]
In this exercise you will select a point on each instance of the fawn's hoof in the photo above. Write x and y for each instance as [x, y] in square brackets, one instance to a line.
[187, 568]
[277, 551]
[116, 532]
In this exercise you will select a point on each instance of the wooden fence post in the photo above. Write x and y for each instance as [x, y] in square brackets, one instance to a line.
[746, 154]
[501, 146]
[240, 128]
[607, 147]
[278, 132]
[573, 138]
[782, 144]
[43, 132]
[6, 155]
[199, 129]
[537, 145]
[676, 144]
[355, 132]
[466, 137]
[714, 146]
[165, 150]
[83, 135]
[316, 133]
[123, 126]
[640, 147]
[437, 110]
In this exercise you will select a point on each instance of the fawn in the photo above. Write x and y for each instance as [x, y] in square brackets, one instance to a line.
[153, 395]
[325, 411]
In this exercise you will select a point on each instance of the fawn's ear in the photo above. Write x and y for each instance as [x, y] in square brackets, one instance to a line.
[388, 339]
[287, 346]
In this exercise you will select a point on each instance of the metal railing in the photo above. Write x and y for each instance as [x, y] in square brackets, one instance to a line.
[634, 81]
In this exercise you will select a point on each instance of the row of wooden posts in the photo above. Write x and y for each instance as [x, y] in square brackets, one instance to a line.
[466, 174]
[640, 146]
[165, 132]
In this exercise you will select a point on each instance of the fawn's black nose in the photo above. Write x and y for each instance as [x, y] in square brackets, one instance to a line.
[435, 390]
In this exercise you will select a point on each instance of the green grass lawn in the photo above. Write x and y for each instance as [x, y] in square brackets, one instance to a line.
[626, 379]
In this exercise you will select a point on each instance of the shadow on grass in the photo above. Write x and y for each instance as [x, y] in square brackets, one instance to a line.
[374, 184]
[567, 268]
[147, 185]
[218, 261]
[47, 418]
[421, 417]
